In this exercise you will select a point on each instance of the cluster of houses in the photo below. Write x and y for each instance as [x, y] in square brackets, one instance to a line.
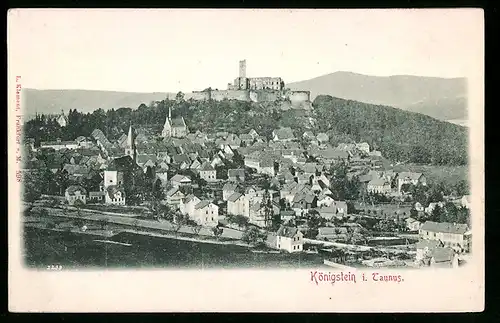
[441, 243]
[299, 178]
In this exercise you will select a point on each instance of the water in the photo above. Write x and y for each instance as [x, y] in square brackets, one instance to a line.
[73, 250]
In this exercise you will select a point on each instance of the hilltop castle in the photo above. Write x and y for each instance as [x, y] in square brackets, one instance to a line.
[256, 89]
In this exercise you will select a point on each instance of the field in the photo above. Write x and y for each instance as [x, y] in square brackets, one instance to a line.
[450, 175]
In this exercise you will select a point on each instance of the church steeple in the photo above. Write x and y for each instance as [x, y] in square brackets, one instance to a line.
[169, 113]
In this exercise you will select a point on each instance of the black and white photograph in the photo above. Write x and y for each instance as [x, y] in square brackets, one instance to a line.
[334, 143]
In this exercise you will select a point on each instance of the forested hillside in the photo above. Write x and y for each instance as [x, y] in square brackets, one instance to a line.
[400, 135]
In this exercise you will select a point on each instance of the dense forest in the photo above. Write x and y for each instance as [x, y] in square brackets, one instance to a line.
[399, 135]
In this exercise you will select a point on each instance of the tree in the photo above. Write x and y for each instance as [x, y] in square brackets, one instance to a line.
[254, 236]
[78, 205]
[217, 231]
[135, 224]
[32, 188]
[179, 96]
[451, 212]
[103, 223]
[438, 214]
[239, 220]
[268, 209]
[385, 226]
[413, 213]
[196, 228]
[463, 215]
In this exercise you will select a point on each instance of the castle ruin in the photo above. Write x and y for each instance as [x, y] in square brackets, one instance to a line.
[256, 89]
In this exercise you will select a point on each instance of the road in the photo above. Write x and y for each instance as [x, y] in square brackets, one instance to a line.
[71, 212]
[355, 247]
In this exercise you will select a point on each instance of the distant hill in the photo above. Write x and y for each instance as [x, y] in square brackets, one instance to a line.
[53, 101]
[440, 98]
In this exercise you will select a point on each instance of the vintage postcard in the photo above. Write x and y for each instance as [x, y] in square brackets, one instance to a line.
[246, 160]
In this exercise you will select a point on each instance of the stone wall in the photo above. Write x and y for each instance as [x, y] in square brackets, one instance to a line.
[241, 95]
[197, 95]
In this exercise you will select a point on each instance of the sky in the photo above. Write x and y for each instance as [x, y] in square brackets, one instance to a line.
[184, 50]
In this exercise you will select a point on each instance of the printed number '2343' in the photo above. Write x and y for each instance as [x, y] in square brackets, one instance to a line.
[54, 267]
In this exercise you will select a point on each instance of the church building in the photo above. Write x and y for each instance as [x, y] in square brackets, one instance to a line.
[174, 127]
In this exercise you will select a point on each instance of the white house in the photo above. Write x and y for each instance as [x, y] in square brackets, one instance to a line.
[236, 175]
[75, 193]
[227, 190]
[115, 195]
[425, 247]
[410, 178]
[325, 200]
[465, 201]
[378, 185]
[413, 224]
[258, 214]
[283, 134]
[364, 147]
[180, 180]
[452, 235]
[238, 204]
[187, 204]
[162, 175]
[207, 172]
[289, 239]
[174, 196]
[205, 213]
[418, 207]
[432, 206]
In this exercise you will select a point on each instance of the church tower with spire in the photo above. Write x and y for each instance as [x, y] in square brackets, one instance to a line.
[130, 149]
[167, 128]
[176, 128]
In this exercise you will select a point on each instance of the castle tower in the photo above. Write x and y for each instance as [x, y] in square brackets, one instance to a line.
[130, 149]
[243, 68]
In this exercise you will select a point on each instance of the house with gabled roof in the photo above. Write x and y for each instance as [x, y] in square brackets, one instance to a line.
[443, 257]
[75, 193]
[115, 195]
[174, 196]
[236, 175]
[228, 189]
[379, 185]
[253, 133]
[238, 204]
[187, 204]
[322, 137]
[205, 213]
[410, 178]
[283, 134]
[162, 174]
[179, 180]
[453, 235]
[258, 213]
[289, 239]
[207, 172]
